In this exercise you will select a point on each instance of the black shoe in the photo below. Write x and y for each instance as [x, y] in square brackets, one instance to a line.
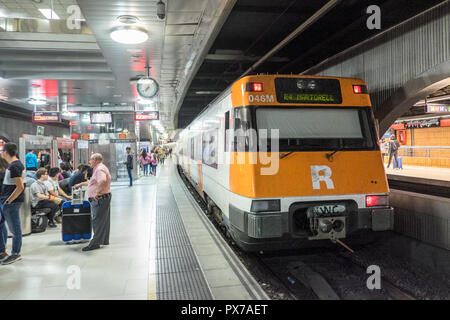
[51, 224]
[11, 259]
[89, 248]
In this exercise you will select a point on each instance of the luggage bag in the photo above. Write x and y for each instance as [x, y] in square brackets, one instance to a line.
[76, 219]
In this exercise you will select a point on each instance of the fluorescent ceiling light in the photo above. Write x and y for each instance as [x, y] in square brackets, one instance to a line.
[129, 34]
[49, 14]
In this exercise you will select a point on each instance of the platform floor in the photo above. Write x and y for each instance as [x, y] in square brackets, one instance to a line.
[424, 175]
[442, 174]
[161, 247]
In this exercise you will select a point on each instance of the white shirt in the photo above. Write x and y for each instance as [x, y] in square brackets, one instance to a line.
[52, 185]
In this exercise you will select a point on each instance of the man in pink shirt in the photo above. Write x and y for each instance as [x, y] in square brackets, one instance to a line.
[99, 194]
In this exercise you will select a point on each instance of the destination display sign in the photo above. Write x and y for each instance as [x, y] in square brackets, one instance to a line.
[146, 115]
[307, 90]
[46, 117]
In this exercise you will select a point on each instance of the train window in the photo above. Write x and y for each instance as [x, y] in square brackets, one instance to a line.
[244, 138]
[209, 147]
[227, 127]
[318, 128]
[191, 140]
[198, 148]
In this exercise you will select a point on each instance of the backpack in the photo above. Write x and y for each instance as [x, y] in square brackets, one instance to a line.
[395, 145]
[38, 223]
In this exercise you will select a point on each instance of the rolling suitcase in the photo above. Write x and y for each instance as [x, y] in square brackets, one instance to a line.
[399, 163]
[76, 219]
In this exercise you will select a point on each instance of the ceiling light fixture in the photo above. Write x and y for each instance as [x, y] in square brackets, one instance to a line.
[129, 34]
[127, 19]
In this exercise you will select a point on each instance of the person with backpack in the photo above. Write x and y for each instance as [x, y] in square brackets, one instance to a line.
[394, 145]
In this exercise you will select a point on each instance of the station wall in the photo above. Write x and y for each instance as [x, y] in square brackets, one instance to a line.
[427, 157]
[12, 129]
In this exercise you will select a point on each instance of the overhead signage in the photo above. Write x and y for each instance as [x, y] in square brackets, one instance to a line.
[83, 144]
[122, 140]
[434, 122]
[398, 126]
[65, 143]
[437, 108]
[46, 117]
[101, 117]
[146, 115]
[308, 90]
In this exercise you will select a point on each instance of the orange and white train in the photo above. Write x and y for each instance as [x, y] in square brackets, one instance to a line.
[284, 160]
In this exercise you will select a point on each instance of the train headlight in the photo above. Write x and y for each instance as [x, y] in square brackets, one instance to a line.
[325, 225]
[338, 225]
[265, 205]
[377, 201]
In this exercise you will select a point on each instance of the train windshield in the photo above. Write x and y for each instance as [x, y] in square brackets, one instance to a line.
[302, 129]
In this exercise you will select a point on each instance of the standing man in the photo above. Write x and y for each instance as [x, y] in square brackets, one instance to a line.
[12, 196]
[44, 160]
[394, 145]
[31, 162]
[99, 194]
[129, 164]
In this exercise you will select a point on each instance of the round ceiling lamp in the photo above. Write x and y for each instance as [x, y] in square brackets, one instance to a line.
[129, 34]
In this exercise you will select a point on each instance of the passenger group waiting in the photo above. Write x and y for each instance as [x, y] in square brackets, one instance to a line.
[50, 187]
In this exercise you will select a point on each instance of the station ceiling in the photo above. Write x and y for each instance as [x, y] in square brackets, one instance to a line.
[200, 47]
[256, 26]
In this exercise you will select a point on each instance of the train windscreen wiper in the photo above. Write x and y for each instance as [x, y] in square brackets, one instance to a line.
[286, 154]
[330, 155]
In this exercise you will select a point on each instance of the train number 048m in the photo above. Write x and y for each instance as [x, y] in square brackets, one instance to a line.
[268, 98]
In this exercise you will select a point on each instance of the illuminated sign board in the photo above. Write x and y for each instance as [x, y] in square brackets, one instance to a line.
[101, 117]
[437, 108]
[46, 117]
[433, 122]
[308, 90]
[146, 115]
[310, 98]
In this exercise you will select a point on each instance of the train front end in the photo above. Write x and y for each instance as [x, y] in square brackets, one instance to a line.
[306, 165]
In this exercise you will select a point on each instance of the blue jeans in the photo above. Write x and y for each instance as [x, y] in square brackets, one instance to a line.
[11, 214]
[130, 174]
[146, 169]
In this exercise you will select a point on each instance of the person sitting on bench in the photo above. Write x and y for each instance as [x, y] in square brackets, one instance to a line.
[41, 198]
[57, 193]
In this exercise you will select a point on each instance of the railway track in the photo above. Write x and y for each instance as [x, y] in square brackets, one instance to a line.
[313, 274]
